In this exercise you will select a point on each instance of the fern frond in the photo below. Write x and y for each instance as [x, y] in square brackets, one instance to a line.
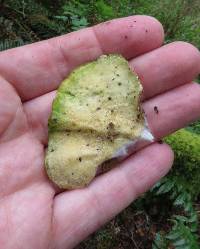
[160, 242]
[182, 234]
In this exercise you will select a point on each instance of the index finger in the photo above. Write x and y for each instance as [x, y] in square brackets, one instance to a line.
[39, 68]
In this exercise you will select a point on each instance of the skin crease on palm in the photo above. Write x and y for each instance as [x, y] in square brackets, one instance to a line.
[33, 212]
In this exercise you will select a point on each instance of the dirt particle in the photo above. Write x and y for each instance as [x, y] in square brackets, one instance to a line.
[119, 83]
[80, 159]
[135, 21]
[117, 74]
[52, 150]
[111, 125]
[109, 98]
[72, 173]
[112, 111]
[110, 138]
[146, 31]
[156, 109]
[87, 145]
[160, 141]
[126, 37]
[98, 108]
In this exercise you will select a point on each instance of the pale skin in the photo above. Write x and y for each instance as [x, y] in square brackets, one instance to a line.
[33, 212]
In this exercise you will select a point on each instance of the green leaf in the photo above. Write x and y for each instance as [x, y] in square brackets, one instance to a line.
[165, 187]
[79, 23]
[173, 235]
[193, 218]
[181, 218]
[160, 242]
[179, 200]
[106, 11]
[158, 184]
[180, 242]
[63, 18]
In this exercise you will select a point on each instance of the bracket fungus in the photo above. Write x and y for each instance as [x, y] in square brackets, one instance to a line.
[95, 114]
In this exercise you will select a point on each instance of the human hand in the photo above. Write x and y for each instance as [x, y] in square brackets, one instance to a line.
[35, 214]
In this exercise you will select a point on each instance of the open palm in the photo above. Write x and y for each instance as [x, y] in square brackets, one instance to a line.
[33, 212]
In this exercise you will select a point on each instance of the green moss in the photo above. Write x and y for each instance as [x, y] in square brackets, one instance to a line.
[186, 146]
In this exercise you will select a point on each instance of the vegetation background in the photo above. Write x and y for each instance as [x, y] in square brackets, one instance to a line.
[168, 215]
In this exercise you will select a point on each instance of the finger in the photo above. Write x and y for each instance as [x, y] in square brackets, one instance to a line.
[9, 103]
[39, 68]
[37, 113]
[12, 118]
[167, 72]
[78, 213]
[165, 68]
[175, 109]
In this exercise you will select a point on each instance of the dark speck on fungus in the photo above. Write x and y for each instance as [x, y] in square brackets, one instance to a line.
[111, 125]
[98, 108]
[126, 37]
[109, 98]
[80, 159]
[119, 83]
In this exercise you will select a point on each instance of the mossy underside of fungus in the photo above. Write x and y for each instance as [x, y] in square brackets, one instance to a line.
[95, 113]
